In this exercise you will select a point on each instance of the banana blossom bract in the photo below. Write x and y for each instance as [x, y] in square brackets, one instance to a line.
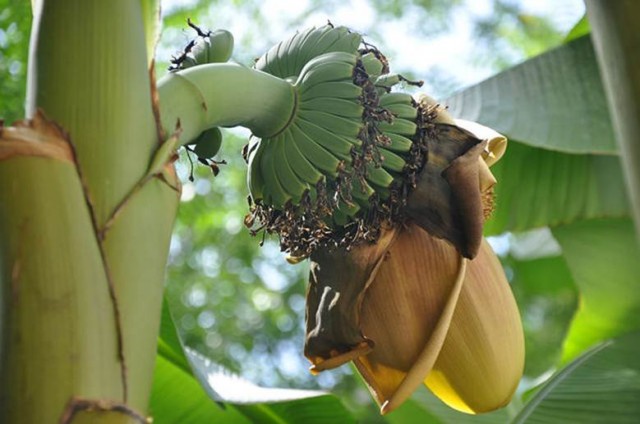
[429, 302]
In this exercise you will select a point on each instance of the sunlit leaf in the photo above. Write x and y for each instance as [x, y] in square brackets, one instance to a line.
[581, 28]
[603, 257]
[539, 188]
[178, 398]
[152, 25]
[169, 345]
[189, 388]
[267, 404]
[555, 101]
[602, 385]
[547, 299]
[15, 20]
[424, 407]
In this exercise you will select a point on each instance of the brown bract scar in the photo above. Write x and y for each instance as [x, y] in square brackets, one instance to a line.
[78, 406]
[37, 137]
[338, 281]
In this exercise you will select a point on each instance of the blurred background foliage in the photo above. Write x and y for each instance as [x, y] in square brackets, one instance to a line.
[240, 303]
[15, 22]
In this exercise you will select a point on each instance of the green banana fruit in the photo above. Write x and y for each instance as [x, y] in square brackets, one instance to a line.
[399, 143]
[208, 143]
[287, 58]
[310, 48]
[403, 111]
[254, 175]
[284, 59]
[399, 126]
[273, 191]
[316, 154]
[326, 68]
[372, 65]
[394, 98]
[337, 218]
[289, 180]
[332, 142]
[216, 48]
[347, 154]
[337, 124]
[299, 163]
[339, 107]
[362, 193]
[343, 213]
[387, 81]
[297, 43]
[328, 38]
[332, 90]
[348, 42]
[378, 176]
[392, 161]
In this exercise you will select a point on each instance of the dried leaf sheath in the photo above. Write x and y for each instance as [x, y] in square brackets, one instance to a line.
[463, 339]
[36, 137]
[337, 284]
[406, 312]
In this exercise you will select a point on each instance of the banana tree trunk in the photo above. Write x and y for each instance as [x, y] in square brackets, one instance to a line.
[85, 228]
[617, 42]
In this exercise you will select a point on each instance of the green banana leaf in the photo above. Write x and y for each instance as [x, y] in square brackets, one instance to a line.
[425, 408]
[188, 388]
[539, 188]
[554, 101]
[547, 299]
[563, 172]
[602, 385]
[581, 28]
[169, 345]
[177, 397]
[561, 165]
[603, 258]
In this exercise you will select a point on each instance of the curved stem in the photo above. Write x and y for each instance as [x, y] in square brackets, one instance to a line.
[224, 95]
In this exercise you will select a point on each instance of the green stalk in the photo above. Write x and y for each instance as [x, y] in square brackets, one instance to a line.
[224, 95]
[89, 72]
[617, 43]
[57, 317]
[152, 27]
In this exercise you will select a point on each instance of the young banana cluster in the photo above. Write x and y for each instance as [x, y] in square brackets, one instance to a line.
[342, 163]
[387, 194]
[207, 47]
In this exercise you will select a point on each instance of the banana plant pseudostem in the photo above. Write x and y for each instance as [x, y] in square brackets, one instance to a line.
[386, 193]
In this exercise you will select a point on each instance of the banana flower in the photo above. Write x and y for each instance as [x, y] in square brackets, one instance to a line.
[429, 301]
[387, 194]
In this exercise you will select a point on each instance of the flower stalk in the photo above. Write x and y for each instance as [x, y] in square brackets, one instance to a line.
[224, 95]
